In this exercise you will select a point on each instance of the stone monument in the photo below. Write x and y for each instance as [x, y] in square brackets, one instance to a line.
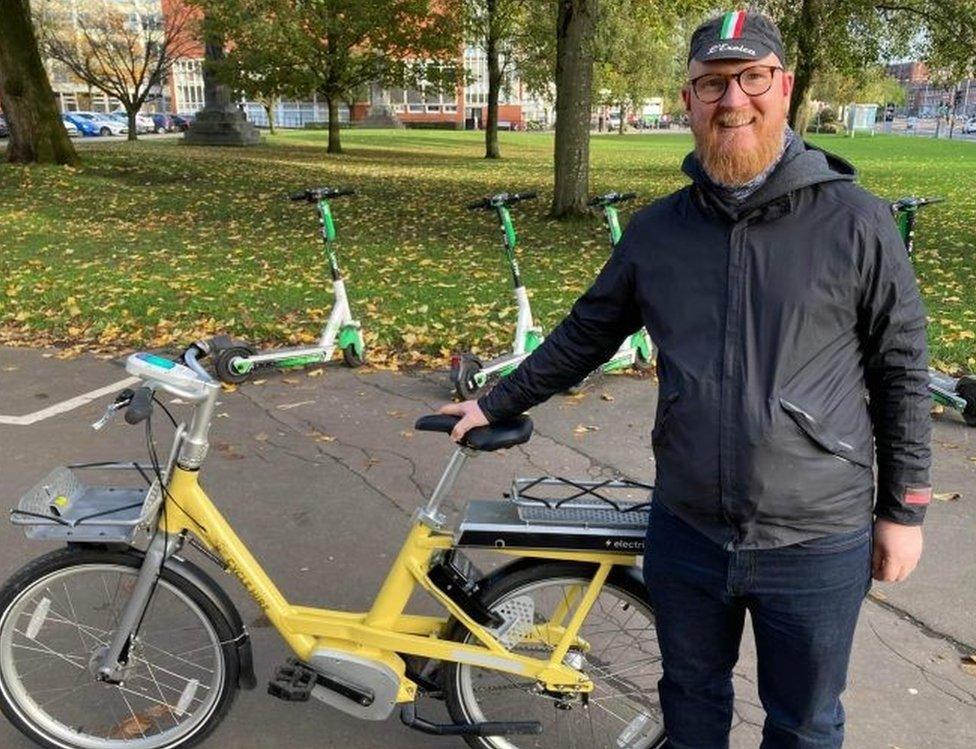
[220, 122]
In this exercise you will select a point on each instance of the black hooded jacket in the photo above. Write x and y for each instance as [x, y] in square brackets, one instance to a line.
[791, 354]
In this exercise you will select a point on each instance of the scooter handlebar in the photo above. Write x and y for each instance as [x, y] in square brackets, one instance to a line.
[315, 194]
[610, 198]
[502, 198]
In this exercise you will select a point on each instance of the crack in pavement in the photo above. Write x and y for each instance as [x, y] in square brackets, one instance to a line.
[606, 470]
[929, 677]
[287, 423]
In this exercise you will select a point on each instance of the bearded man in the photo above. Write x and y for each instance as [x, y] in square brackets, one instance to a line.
[791, 359]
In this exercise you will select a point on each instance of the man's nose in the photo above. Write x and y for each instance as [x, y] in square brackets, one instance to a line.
[734, 96]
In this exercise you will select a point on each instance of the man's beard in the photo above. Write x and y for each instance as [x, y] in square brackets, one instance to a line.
[732, 166]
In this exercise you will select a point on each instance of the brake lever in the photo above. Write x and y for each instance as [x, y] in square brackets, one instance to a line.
[121, 401]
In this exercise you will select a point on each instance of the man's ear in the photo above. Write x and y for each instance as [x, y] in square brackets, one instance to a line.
[686, 98]
[787, 83]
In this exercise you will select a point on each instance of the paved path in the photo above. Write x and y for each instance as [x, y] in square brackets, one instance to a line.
[320, 474]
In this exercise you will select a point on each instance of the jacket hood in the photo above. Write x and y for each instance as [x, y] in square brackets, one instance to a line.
[801, 165]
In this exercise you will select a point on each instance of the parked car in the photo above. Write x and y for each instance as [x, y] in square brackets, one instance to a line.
[4, 130]
[144, 123]
[163, 122]
[86, 126]
[182, 121]
[70, 127]
[969, 126]
[106, 125]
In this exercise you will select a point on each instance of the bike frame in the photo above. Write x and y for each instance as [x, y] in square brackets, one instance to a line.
[383, 632]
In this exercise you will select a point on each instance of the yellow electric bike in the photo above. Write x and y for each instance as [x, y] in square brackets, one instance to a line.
[116, 640]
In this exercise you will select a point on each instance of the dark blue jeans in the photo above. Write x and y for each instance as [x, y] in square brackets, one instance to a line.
[803, 600]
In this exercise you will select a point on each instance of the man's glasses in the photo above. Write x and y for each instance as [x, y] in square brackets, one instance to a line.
[754, 81]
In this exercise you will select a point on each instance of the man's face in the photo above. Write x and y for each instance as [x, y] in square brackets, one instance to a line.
[739, 135]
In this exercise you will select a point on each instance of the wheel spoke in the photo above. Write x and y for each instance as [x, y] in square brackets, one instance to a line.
[169, 687]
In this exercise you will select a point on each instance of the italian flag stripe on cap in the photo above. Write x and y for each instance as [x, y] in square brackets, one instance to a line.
[732, 24]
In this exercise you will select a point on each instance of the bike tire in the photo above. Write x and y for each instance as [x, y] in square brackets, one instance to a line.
[620, 589]
[45, 729]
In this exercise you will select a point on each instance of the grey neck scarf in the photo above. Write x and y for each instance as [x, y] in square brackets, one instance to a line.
[734, 194]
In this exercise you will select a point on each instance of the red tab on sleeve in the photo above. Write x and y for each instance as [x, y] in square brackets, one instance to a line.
[918, 495]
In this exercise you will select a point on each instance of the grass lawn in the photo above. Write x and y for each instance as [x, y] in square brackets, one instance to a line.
[155, 243]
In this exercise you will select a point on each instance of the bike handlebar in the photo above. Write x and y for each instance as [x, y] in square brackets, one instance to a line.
[610, 198]
[140, 405]
[315, 194]
[502, 198]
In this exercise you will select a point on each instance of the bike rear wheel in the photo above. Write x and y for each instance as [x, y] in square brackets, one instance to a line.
[57, 615]
[623, 661]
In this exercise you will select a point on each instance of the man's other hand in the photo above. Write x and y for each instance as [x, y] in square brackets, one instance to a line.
[897, 549]
[471, 416]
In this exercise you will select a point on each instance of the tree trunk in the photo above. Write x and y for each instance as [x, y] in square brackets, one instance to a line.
[37, 133]
[806, 65]
[269, 109]
[131, 114]
[335, 145]
[574, 81]
[623, 113]
[494, 84]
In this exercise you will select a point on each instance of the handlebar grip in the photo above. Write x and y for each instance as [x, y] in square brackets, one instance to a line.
[530, 195]
[345, 191]
[303, 195]
[140, 407]
[628, 196]
[477, 204]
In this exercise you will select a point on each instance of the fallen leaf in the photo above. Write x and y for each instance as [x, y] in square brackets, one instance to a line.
[289, 406]
[969, 665]
[315, 372]
[261, 437]
[607, 397]
[947, 496]
[584, 428]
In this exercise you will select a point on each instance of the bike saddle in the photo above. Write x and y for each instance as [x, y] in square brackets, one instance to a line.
[497, 436]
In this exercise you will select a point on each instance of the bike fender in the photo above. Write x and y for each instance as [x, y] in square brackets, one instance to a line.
[219, 598]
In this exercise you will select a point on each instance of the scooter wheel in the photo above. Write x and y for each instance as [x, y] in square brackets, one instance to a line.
[641, 364]
[351, 358]
[222, 364]
[966, 389]
[464, 382]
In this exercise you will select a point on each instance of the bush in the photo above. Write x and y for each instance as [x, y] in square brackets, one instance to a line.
[434, 125]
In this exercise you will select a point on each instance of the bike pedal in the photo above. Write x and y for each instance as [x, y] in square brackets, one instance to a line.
[292, 682]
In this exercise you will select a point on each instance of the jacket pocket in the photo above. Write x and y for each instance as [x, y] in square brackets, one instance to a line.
[664, 415]
[821, 435]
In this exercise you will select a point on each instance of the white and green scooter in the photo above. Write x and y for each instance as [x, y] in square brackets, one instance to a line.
[235, 362]
[636, 351]
[958, 393]
[469, 374]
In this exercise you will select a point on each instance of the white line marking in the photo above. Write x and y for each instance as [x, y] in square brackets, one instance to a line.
[68, 405]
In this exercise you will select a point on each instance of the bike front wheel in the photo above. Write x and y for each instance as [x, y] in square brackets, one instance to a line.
[621, 657]
[59, 613]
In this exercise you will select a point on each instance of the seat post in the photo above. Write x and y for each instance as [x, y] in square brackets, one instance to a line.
[430, 514]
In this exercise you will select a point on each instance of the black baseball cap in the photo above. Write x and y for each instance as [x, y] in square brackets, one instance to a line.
[738, 35]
